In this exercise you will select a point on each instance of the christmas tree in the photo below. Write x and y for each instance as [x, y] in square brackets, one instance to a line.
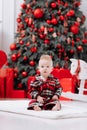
[54, 27]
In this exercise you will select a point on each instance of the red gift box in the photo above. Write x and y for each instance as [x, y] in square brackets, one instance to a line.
[9, 82]
[2, 87]
[67, 85]
[17, 94]
[66, 79]
[10, 92]
[2, 83]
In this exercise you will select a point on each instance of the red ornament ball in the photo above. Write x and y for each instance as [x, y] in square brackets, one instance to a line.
[77, 23]
[25, 58]
[34, 49]
[13, 46]
[59, 12]
[24, 6]
[48, 21]
[30, 21]
[28, 6]
[21, 42]
[42, 28]
[42, 36]
[66, 4]
[85, 33]
[83, 18]
[38, 13]
[54, 21]
[16, 70]
[79, 48]
[84, 41]
[53, 5]
[71, 13]
[28, 44]
[7, 63]
[71, 51]
[73, 42]
[21, 26]
[26, 19]
[32, 63]
[18, 20]
[46, 41]
[77, 4]
[15, 75]
[59, 45]
[62, 18]
[20, 85]
[19, 54]
[74, 29]
[14, 57]
[51, 29]
[24, 73]
[37, 72]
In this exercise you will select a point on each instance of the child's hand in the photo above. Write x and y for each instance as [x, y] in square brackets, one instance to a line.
[55, 97]
[40, 99]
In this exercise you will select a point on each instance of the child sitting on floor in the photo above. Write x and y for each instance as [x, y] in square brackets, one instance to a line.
[45, 89]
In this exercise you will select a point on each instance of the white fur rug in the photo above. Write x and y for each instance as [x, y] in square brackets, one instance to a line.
[70, 109]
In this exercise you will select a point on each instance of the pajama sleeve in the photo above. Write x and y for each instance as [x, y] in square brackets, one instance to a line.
[58, 88]
[34, 91]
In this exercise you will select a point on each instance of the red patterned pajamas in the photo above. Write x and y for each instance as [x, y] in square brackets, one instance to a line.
[46, 89]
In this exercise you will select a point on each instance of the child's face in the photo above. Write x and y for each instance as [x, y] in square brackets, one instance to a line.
[45, 67]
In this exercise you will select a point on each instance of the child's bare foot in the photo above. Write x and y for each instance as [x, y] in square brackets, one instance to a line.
[37, 108]
[57, 107]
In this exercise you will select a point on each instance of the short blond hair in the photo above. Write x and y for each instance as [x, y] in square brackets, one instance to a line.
[46, 57]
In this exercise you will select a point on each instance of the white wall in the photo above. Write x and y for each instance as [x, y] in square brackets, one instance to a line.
[7, 24]
[9, 10]
[83, 8]
[0, 23]
[17, 9]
